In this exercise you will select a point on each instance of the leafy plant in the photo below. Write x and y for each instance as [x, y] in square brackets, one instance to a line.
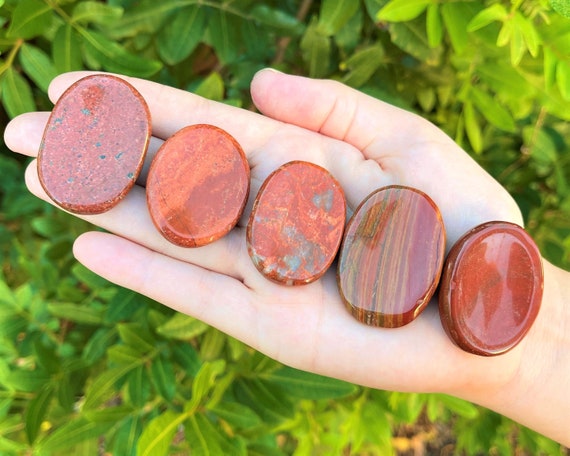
[86, 366]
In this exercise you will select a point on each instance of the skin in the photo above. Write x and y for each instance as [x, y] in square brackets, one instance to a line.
[365, 144]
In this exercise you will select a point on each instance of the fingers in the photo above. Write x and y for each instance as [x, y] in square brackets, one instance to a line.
[335, 110]
[172, 109]
[130, 219]
[24, 133]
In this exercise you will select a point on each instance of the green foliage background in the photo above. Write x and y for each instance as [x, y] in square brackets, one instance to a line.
[89, 368]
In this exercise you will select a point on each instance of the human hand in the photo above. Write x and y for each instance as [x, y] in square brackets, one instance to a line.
[366, 144]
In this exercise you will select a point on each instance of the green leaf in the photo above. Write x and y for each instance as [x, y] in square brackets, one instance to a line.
[123, 354]
[86, 12]
[223, 33]
[48, 226]
[29, 19]
[434, 27]
[362, 65]
[109, 414]
[163, 377]
[212, 87]
[187, 357]
[268, 400]
[182, 326]
[103, 387]
[88, 278]
[115, 58]
[492, 110]
[549, 64]
[189, 23]
[316, 50]
[472, 127]
[36, 412]
[201, 436]
[124, 441]
[72, 433]
[37, 65]
[456, 17]
[97, 344]
[136, 337]
[158, 434]
[77, 313]
[459, 406]
[204, 382]
[66, 49]
[402, 10]
[335, 14]
[27, 380]
[562, 7]
[238, 415]
[412, 38]
[495, 12]
[17, 95]
[138, 386]
[563, 78]
[276, 19]
[309, 386]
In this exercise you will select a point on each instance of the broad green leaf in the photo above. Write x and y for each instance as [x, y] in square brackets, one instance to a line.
[27, 380]
[518, 45]
[549, 64]
[276, 19]
[505, 34]
[223, 33]
[97, 344]
[504, 79]
[212, 87]
[495, 12]
[563, 78]
[135, 336]
[72, 433]
[204, 382]
[115, 58]
[187, 357]
[316, 51]
[266, 399]
[238, 415]
[123, 305]
[37, 65]
[123, 354]
[456, 17]
[182, 326]
[147, 18]
[562, 7]
[49, 226]
[309, 386]
[459, 406]
[335, 14]
[412, 38]
[66, 49]
[124, 440]
[362, 65]
[184, 32]
[36, 412]
[12, 447]
[88, 278]
[492, 110]
[29, 19]
[402, 10]
[103, 387]
[212, 344]
[434, 27]
[202, 437]
[158, 434]
[163, 377]
[541, 146]
[109, 414]
[17, 95]
[472, 127]
[530, 35]
[95, 12]
[77, 313]
[138, 386]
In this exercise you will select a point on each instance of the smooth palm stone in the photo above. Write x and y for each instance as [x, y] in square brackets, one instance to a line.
[296, 225]
[491, 288]
[198, 185]
[94, 144]
[392, 256]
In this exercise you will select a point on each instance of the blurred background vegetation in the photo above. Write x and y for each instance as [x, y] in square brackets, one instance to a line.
[88, 368]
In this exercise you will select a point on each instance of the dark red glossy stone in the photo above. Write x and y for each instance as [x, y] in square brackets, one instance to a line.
[392, 256]
[94, 144]
[491, 288]
[296, 225]
[197, 185]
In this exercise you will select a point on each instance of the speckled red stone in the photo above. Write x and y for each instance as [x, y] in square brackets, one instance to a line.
[392, 256]
[197, 185]
[296, 224]
[94, 144]
[491, 288]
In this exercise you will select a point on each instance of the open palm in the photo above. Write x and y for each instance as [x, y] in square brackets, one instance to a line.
[365, 144]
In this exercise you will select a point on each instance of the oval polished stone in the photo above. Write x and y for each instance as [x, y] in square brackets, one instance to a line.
[491, 288]
[296, 225]
[392, 256]
[94, 144]
[197, 185]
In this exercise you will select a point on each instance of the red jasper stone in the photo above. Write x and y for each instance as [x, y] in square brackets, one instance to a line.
[491, 288]
[392, 256]
[197, 185]
[296, 225]
[94, 144]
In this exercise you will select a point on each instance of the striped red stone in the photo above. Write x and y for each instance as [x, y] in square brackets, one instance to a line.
[94, 144]
[197, 185]
[296, 225]
[392, 256]
[491, 288]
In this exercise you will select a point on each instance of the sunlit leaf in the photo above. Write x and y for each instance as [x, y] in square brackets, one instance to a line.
[316, 49]
[181, 326]
[73, 433]
[362, 65]
[402, 10]
[492, 110]
[472, 127]
[495, 12]
[37, 65]
[563, 78]
[78, 313]
[223, 33]
[158, 434]
[163, 377]
[95, 12]
[17, 95]
[29, 19]
[236, 414]
[335, 14]
[434, 27]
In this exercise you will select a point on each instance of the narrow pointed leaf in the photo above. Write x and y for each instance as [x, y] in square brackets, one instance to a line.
[17, 95]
